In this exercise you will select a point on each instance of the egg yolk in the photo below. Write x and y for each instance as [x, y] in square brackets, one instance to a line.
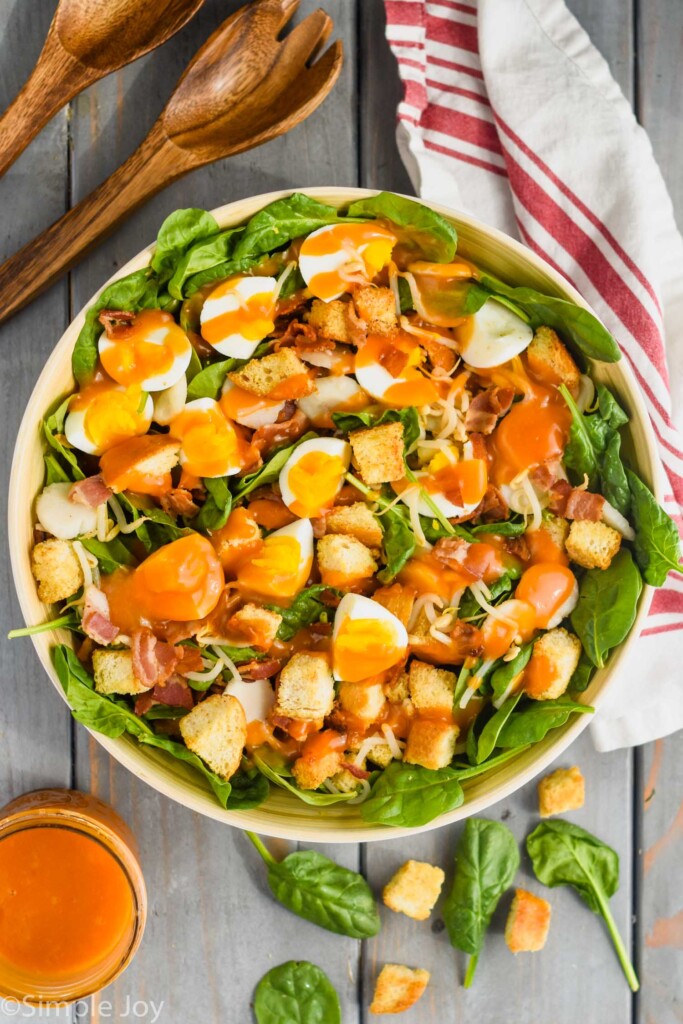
[315, 480]
[252, 319]
[278, 570]
[546, 586]
[237, 402]
[367, 248]
[400, 356]
[534, 431]
[133, 356]
[514, 620]
[461, 483]
[211, 446]
[363, 648]
[237, 541]
[181, 581]
[111, 414]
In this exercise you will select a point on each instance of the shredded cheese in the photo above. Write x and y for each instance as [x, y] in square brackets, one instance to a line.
[363, 792]
[89, 565]
[123, 526]
[228, 663]
[394, 745]
[206, 677]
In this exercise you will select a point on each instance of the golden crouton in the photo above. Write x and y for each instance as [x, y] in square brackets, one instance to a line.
[562, 790]
[414, 889]
[377, 307]
[310, 773]
[396, 690]
[378, 453]
[332, 320]
[345, 781]
[397, 599]
[216, 730]
[253, 626]
[148, 455]
[552, 664]
[380, 754]
[56, 570]
[549, 359]
[343, 560]
[431, 744]
[355, 521]
[364, 700]
[431, 689]
[526, 929]
[263, 376]
[305, 689]
[398, 988]
[549, 538]
[113, 672]
[592, 545]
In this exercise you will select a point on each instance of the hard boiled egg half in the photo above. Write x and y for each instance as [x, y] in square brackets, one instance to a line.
[454, 485]
[104, 414]
[281, 566]
[153, 351]
[337, 256]
[366, 639]
[388, 370]
[332, 394]
[492, 336]
[313, 475]
[238, 314]
[210, 444]
[552, 590]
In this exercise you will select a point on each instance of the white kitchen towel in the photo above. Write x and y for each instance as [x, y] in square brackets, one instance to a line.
[510, 113]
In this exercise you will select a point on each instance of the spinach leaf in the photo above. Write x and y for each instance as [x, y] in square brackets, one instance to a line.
[70, 620]
[409, 795]
[204, 255]
[315, 888]
[208, 383]
[503, 676]
[564, 854]
[536, 718]
[609, 408]
[405, 296]
[305, 609]
[508, 528]
[347, 422]
[296, 993]
[159, 528]
[277, 224]
[594, 448]
[314, 797]
[426, 232]
[483, 745]
[249, 789]
[53, 425]
[486, 861]
[657, 545]
[607, 605]
[110, 554]
[398, 541]
[269, 471]
[584, 330]
[54, 471]
[582, 674]
[177, 234]
[216, 508]
[580, 454]
[113, 717]
[613, 476]
[240, 655]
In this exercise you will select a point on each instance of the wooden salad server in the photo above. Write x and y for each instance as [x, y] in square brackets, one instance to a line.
[87, 40]
[244, 87]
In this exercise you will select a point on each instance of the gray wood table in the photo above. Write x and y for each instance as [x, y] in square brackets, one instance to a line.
[213, 930]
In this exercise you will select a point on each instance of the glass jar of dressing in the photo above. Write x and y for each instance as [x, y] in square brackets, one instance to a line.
[72, 896]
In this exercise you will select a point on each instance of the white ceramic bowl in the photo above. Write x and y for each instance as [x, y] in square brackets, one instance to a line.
[283, 815]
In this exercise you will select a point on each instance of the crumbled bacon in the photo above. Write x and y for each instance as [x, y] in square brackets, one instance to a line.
[116, 322]
[466, 640]
[297, 333]
[559, 495]
[486, 408]
[96, 622]
[575, 502]
[153, 660]
[174, 693]
[273, 435]
[179, 502]
[92, 491]
[393, 360]
[493, 507]
[259, 669]
[518, 547]
[479, 449]
[451, 552]
[358, 773]
[544, 475]
[441, 356]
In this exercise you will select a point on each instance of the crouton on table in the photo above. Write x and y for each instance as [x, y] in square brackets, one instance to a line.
[592, 545]
[278, 375]
[549, 359]
[56, 570]
[216, 730]
[552, 664]
[377, 307]
[378, 453]
[431, 688]
[305, 689]
[355, 521]
[563, 790]
[528, 921]
[343, 560]
[113, 672]
[414, 889]
[398, 988]
[431, 744]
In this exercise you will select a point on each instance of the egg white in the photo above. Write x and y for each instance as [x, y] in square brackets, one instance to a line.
[497, 336]
[75, 432]
[355, 606]
[566, 608]
[177, 369]
[236, 345]
[256, 697]
[302, 531]
[309, 266]
[260, 414]
[61, 516]
[328, 445]
[330, 393]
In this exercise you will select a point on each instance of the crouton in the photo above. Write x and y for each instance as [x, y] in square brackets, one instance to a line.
[253, 626]
[332, 320]
[278, 375]
[380, 754]
[562, 790]
[431, 744]
[56, 570]
[377, 307]
[549, 359]
[548, 541]
[305, 689]
[592, 545]
[378, 453]
[431, 689]
[414, 889]
[396, 690]
[355, 521]
[113, 672]
[526, 929]
[151, 455]
[346, 781]
[364, 700]
[343, 560]
[552, 664]
[398, 599]
[311, 772]
[398, 988]
[216, 730]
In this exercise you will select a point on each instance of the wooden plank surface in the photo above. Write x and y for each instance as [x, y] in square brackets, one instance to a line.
[213, 928]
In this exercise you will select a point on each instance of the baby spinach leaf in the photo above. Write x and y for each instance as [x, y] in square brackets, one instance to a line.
[428, 234]
[53, 425]
[314, 797]
[486, 861]
[582, 329]
[208, 383]
[347, 422]
[614, 482]
[607, 605]
[657, 545]
[609, 408]
[306, 608]
[70, 620]
[159, 528]
[405, 296]
[503, 676]
[487, 741]
[240, 655]
[269, 471]
[296, 993]
[398, 541]
[580, 454]
[216, 508]
[564, 854]
[110, 554]
[54, 471]
[509, 528]
[177, 234]
[536, 718]
[218, 272]
[315, 888]
[409, 795]
[582, 674]
[249, 789]
[204, 255]
[277, 224]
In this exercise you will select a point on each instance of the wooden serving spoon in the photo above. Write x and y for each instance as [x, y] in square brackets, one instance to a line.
[243, 87]
[87, 40]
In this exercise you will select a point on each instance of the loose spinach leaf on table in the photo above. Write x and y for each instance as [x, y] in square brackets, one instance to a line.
[532, 720]
[269, 471]
[564, 854]
[408, 795]
[216, 508]
[313, 797]
[429, 235]
[53, 428]
[110, 554]
[315, 888]
[657, 545]
[177, 234]
[296, 992]
[486, 861]
[277, 224]
[306, 608]
[208, 383]
[607, 605]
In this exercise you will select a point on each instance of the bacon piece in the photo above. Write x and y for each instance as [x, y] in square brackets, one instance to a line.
[153, 660]
[559, 495]
[174, 693]
[273, 435]
[479, 449]
[393, 360]
[144, 703]
[96, 622]
[85, 650]
[518, 547]
[358, 773]
[116, 322]
[259, 669]
[584, 505]
[544, 475]
[179, 502]
[440, 355]
[298, 333]
[466, 640]
[493, 507]
[190, 660]
[451, 552]
[92, 491]
[486, 408]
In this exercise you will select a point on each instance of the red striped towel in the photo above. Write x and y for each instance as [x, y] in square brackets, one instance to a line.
[510, 113]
